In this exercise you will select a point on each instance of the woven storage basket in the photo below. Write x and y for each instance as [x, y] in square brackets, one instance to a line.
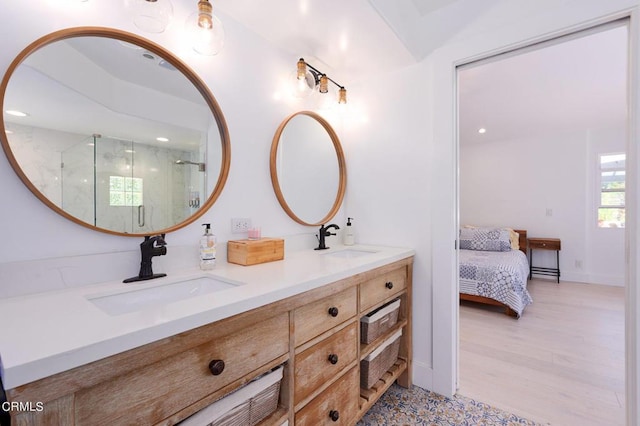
[264, 403]
[379, 361]
[246, 406]
[377, 322]
[237, 416]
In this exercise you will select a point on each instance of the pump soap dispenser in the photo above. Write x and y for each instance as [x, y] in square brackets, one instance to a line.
[349, 236]
[207, 249]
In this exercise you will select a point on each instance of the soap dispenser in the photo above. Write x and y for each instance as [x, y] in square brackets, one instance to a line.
[349, 237]
[207, 249]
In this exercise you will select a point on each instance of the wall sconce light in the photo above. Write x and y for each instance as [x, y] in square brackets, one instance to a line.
[205, 30]
[151, 15]
[308, 78]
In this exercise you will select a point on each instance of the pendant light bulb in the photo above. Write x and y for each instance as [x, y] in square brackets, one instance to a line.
[205, 29]
[205, 14]
[342, 96]
[302, 69]
[303, 82]
[324, 84]
[151, 15]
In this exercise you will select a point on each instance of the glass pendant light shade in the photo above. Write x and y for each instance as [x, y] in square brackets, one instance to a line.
[326, 101]
[205, 29]
[151, 15]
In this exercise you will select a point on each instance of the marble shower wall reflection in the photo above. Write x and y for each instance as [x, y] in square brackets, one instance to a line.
[111, 183]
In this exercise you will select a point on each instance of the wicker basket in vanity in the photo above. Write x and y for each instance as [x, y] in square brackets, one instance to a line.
[375, 323]
[246, 406]
[378, 362]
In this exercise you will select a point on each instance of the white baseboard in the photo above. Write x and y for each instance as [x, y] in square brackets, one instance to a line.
[613, 280]
[422, 375]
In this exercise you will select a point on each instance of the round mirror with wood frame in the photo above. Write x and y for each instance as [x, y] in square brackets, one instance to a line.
[120, 135]
[308, 170]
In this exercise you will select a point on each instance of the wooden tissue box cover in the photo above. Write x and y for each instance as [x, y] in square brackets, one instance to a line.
[252, 252]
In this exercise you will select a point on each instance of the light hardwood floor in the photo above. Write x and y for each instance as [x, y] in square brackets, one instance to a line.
[561, 364]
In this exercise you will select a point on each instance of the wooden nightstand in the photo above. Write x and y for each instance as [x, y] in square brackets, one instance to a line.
[544, 244]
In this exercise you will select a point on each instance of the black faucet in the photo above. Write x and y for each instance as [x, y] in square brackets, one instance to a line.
[324, 232]
[151, 246]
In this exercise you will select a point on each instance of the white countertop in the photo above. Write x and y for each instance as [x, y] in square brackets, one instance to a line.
[51, 332]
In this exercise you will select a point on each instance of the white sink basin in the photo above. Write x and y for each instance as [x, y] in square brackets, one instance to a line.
[138, 298]
[350, 253]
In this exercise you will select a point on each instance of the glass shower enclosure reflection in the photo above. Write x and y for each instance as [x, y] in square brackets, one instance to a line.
[130, 187]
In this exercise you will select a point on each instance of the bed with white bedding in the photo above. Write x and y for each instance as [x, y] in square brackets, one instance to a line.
[493, 271]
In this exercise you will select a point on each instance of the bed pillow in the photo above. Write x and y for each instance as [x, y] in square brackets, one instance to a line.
[515, 239]
[513, 236]
[486, 239]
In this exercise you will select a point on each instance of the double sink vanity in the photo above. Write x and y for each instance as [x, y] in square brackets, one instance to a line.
[158, 352]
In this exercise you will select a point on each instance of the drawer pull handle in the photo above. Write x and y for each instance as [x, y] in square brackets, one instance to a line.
[216, 366]
[333, 359]
[333, 311]
[389, 285]
[334, 415]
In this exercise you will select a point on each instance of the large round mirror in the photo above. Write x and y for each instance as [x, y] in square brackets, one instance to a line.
[113, 132]
[308, 168]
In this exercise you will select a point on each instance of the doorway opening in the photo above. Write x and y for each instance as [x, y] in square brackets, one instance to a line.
[533, 127]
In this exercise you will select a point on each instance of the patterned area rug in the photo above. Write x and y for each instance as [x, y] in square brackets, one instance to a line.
[416, 406]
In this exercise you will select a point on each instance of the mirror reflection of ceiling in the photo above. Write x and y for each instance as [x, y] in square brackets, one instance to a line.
[576, 84]
[142, 67]
[56, 97]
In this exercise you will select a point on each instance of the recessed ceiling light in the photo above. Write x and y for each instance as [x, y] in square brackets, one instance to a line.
[129, 151]
[165, 64]
[162, 139]
[8, 132]
[482, 130]
[16, 113]
[129, 45]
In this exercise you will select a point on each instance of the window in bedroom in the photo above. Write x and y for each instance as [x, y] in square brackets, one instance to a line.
[611, 210]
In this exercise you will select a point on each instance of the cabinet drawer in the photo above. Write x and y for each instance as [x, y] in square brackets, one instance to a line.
[317, 317]
[544, 243]
[382, 287]
[324, 360]
[150, 394]
[339, 399]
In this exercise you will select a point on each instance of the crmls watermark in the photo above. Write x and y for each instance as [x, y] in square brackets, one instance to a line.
[22, 406]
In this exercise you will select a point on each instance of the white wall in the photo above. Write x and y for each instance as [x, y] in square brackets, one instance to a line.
[546, 183]
[388, 189]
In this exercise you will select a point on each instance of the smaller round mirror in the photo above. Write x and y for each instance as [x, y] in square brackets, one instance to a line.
[308, 169]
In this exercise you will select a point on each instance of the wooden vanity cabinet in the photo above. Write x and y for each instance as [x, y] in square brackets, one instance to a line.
[165, 381]
[325, 394]
[338, 405]
[315, 335]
